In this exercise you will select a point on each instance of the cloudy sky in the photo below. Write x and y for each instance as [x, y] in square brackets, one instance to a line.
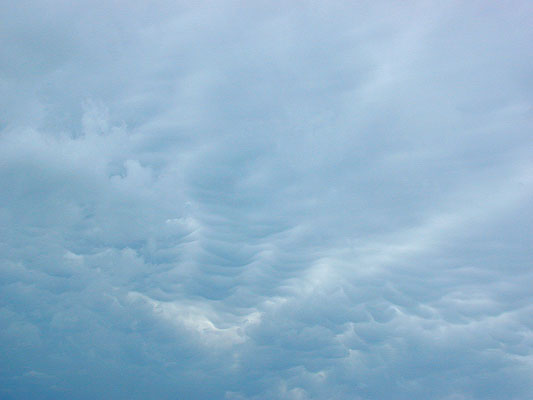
[262, 200]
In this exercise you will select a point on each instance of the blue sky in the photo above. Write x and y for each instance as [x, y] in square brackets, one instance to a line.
[266, 200]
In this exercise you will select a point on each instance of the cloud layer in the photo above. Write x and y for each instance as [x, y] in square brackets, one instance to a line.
[252, 201]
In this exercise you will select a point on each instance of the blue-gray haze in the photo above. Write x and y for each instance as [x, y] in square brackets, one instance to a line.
[262, 200]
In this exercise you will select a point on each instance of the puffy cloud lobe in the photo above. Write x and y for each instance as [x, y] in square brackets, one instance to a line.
[266, 201]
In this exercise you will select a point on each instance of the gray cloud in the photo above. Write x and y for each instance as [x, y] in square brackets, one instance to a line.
[266, 201]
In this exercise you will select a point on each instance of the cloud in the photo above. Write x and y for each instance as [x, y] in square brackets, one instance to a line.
[265, 201]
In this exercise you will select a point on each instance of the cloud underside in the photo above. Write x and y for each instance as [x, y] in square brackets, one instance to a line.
[266, 201]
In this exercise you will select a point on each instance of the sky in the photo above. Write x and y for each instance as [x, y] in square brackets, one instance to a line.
[263, 200]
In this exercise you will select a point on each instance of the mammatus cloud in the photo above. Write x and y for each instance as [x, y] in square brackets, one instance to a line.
[238, 201]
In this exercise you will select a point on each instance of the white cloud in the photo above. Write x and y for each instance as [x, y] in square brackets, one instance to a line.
[265, 201]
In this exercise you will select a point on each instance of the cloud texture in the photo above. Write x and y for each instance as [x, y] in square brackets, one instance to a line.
[266, 200]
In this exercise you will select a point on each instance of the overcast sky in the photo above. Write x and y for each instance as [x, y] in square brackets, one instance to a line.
[262, 200]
